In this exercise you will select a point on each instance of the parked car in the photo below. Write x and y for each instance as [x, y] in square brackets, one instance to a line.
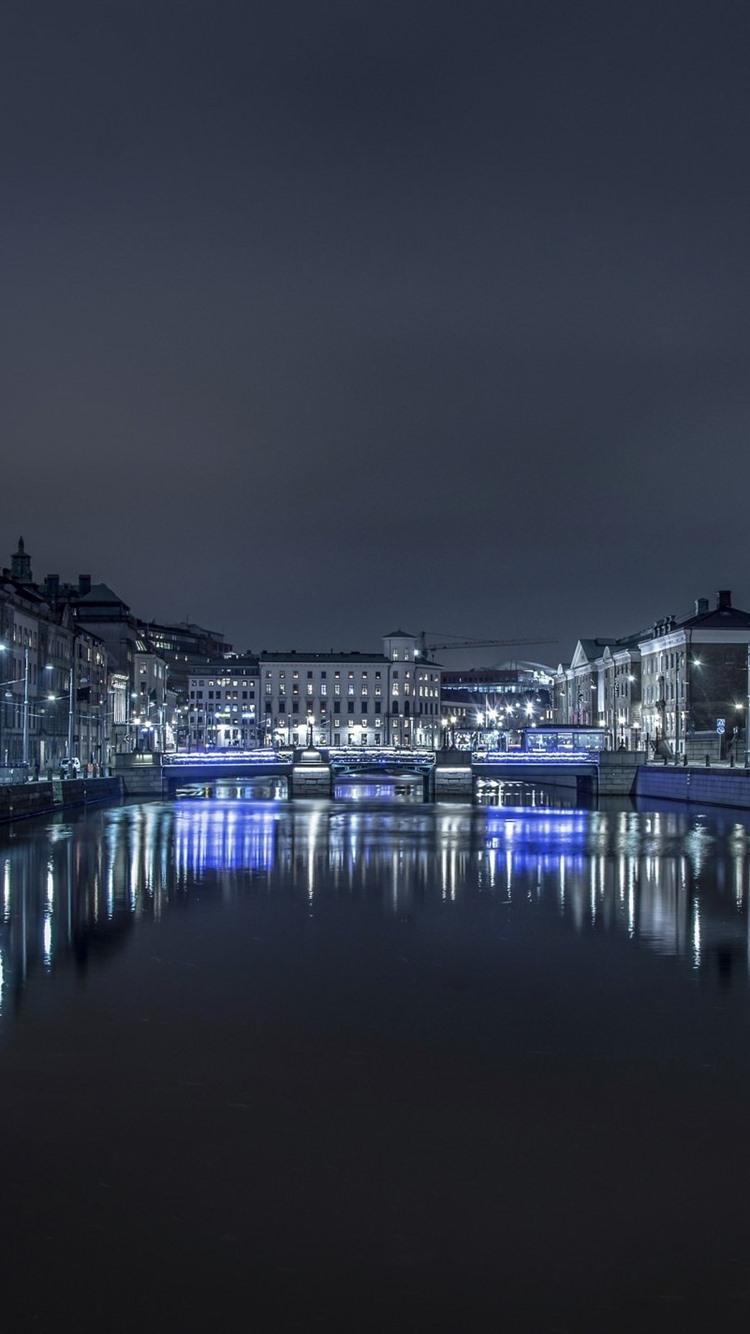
[70, 768]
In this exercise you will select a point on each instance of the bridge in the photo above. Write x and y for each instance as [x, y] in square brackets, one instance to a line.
[443, 773]
[535, 766]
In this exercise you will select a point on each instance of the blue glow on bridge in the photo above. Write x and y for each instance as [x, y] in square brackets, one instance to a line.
[226, 759]
[380, 756]
[546, 759]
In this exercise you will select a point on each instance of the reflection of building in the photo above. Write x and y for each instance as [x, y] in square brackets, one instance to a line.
[660, 879]
[340, 699]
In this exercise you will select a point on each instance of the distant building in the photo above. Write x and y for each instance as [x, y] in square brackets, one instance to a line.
[187, 649]
[54, 697]
[151, 716]
[677, 688]
[351, 698]
[496, 698]
[222, 704]
[695, 680]
[601, 687]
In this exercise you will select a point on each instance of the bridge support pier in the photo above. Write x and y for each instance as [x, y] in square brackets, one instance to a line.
[141, 773]
[312, 776]
[455, 780]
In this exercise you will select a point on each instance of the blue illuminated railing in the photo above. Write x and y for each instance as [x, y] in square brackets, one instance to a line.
[381, 755]
[526, 758]
[226, 759]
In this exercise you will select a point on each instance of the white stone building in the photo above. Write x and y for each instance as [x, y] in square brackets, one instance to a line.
[350, 699]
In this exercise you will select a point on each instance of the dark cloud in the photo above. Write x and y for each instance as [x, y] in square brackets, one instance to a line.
[321, 316]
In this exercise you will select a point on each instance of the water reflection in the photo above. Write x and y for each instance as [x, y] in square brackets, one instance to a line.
[377, 789]
[674, 882]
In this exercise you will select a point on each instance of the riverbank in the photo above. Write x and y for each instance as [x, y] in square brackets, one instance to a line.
[19, 801]
[698, 785]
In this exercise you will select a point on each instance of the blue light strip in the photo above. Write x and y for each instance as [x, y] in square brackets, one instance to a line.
[525, 758]
[229, 758]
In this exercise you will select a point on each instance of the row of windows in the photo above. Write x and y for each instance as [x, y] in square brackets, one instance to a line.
[226, 694]
[654, 663]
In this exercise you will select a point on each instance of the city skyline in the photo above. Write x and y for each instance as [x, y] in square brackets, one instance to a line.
[545, 651]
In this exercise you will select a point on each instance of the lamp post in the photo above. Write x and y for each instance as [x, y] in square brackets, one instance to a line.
[25, 750]
[747, 717]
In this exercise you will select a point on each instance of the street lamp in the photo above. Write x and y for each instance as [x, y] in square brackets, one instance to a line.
[747, 717]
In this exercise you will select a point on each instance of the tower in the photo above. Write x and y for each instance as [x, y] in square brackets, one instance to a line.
[20, 566]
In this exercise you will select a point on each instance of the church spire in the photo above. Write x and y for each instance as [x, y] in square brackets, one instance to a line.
[20, 564]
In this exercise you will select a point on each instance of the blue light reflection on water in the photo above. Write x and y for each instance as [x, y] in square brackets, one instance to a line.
[674, 881]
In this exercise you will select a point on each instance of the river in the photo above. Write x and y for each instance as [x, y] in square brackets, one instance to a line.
[375, 1064]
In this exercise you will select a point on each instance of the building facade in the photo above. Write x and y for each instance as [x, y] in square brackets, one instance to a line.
[487, 701]
[222, 704]
[696, 681]
[680, 688]
[351, 699]
[54, 692]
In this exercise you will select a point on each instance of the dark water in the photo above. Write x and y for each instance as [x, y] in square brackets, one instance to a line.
[375, 1065]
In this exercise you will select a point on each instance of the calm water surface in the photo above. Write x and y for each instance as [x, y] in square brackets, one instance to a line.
[374, 1064]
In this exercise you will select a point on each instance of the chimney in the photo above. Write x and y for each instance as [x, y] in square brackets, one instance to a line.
[701, 606]
[84, 584]
[51, 585]
[724, 599]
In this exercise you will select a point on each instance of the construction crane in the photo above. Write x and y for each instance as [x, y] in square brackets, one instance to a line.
[428, 646]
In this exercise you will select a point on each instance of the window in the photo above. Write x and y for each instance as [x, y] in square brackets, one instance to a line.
[350, 706]
[295, 706]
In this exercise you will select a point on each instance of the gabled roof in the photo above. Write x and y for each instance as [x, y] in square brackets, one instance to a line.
[724, 618]
[399, 634]
[588, 650]
[101, 593]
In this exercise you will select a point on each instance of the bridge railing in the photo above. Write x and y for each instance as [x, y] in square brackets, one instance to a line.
[225, 759]
[379, 755]
[535, 758]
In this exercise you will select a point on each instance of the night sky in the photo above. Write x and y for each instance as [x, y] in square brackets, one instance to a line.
[319, 318]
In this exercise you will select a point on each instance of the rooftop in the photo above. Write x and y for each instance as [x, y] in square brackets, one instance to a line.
[294, 655]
